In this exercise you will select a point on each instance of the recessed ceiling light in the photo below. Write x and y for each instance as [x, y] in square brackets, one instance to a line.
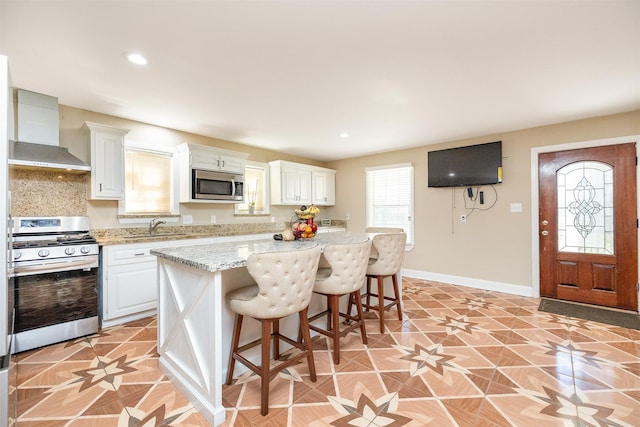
[136, 58]
[344, 135]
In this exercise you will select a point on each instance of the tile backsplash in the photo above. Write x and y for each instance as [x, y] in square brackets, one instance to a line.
[38, 192]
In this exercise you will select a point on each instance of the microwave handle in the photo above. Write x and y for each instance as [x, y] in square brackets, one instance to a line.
[233, 188]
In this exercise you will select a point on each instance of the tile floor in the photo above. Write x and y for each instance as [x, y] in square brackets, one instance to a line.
[461, 357]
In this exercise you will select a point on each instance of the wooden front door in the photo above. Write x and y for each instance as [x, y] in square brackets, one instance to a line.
[588, 226]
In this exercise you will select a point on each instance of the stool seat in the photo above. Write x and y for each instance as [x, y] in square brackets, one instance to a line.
[344, 276]
[284, 285]
[389, 252]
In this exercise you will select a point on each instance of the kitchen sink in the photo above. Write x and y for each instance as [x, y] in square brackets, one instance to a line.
[149, 236]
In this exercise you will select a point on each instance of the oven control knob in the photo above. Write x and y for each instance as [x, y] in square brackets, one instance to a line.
[70, 251]
[43, 253]
[85, 250]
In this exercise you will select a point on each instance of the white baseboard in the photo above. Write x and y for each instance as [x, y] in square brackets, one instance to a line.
[470, 282]
[129, 318]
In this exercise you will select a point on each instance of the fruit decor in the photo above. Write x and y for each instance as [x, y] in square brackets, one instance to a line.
[304, 227]
[307, 212]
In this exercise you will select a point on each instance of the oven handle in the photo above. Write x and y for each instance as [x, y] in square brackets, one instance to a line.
[51, 266]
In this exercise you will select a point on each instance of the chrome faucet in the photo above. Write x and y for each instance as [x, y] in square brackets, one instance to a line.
[155, 223]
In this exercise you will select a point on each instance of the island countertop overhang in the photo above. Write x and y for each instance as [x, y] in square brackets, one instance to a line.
[229, 255]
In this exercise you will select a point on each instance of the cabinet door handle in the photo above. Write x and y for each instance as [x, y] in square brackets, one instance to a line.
[223, 163]
[138, 254]
[100, 186]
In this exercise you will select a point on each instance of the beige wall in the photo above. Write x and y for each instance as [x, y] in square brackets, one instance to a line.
[103, 214]
[493, 245]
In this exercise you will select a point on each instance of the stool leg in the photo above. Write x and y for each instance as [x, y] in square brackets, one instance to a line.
[234, 347]
[329, 311]
[381, 302]
[304, 329]
[397, 294]
[335, 314]
[265, 365]
[368, 292]
[276, 339]
[358, 301]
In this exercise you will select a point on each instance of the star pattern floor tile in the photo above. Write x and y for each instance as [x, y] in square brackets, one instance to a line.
[460, 357]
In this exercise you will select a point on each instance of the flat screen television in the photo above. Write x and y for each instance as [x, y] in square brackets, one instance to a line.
[479, 164]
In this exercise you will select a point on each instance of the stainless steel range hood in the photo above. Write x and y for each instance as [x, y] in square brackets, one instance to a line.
[28, 154]
[37, 144]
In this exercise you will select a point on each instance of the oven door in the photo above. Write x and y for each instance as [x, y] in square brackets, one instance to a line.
[54, 306]
[209, 185]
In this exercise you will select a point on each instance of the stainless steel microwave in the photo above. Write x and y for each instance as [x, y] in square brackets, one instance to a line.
[210, 185]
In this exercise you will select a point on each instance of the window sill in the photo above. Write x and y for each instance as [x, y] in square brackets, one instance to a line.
[248, 214]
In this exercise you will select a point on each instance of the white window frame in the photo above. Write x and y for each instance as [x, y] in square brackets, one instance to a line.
[175, 204]
[243, 208]
[408, 227]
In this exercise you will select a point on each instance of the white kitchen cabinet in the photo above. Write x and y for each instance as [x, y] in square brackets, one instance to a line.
[129, 280]
[128, 283]
[323, 186]
[193, 156]
[297, 184]
[106, 150]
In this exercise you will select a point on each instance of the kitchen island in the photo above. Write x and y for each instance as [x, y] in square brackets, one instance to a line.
[194, 322]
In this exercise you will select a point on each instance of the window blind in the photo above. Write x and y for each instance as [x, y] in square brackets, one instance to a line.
[390, 197]
[148, 182]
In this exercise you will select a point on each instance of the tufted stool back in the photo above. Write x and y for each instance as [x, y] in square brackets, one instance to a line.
[285, 284]
[390, 253]
[347, 268]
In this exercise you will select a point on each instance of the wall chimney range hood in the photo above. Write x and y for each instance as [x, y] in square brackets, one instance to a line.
[37, 144]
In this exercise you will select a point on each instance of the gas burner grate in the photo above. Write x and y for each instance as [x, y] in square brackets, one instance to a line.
[50, 241]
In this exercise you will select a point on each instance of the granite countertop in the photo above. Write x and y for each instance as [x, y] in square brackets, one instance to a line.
[119, 236]
[224, 256]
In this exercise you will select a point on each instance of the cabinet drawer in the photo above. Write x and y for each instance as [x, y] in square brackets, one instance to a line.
[130, 255]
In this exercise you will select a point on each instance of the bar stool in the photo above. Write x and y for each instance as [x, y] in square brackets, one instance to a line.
[344, 276]
[284, 285]
[388, 252]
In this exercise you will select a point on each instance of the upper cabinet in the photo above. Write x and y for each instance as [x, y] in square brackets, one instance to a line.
[323, 187]
[106, 146]
[192, 156]
[300, 184]
[210, 175]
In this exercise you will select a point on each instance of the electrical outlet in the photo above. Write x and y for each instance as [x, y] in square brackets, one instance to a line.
[273, 219]
[463, 218]
[347, 216]
[213, 219]
[187, 219]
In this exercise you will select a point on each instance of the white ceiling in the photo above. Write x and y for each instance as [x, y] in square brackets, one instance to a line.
[292, 75]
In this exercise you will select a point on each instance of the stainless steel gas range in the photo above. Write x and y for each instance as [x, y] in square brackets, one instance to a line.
[55, 268]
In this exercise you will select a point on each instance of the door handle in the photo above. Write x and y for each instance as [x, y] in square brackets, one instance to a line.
[545, 233]
[545, 222]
